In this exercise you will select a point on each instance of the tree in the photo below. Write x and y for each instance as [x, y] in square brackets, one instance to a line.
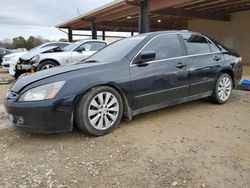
[31, 42]
[19, 42]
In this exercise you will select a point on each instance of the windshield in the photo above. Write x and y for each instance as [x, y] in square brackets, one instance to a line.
[118, 50]
[71, 46]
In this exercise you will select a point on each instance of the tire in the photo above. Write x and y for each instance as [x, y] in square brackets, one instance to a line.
[99, 111]
[47, 64]
[223, 89]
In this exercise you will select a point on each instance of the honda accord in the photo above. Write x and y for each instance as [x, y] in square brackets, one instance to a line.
[129, 77]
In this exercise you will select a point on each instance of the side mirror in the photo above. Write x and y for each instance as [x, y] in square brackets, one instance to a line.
[80, 50]
[146, 56]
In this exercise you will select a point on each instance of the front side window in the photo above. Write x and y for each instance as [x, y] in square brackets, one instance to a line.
[166, 46]
[92, 46]
[71, 46]
[196, 44]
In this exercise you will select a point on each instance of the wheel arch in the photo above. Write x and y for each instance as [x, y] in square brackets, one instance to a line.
[127, 112]
[50, 59]
[231, 74]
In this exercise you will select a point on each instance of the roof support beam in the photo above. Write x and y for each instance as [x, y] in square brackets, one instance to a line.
[70, 36]
[103, 35]
[192, 14]
[94, 30]
[144, 17]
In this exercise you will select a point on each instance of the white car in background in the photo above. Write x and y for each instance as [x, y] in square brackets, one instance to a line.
[10, 60]
[72, 53]
[11, 65]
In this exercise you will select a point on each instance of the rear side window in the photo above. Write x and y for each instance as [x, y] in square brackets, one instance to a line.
[50, 44]
[167, 46]
[196, 44]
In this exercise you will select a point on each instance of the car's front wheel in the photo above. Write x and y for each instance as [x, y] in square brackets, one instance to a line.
[223, 89]
[48, 64]
[99, 111]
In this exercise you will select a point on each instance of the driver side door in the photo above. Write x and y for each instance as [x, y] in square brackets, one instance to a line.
[163, 80]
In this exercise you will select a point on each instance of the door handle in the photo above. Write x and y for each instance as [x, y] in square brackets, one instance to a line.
[180, 65]
[216, 58]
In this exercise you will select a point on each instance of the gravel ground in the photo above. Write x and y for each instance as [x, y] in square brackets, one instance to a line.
[197, 144]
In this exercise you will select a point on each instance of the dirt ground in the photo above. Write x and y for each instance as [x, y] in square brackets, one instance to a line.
[197, 144]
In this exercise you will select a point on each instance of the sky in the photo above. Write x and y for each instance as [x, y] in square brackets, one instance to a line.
[38, 17]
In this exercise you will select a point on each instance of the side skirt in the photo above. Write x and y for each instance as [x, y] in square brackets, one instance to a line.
[171, 103]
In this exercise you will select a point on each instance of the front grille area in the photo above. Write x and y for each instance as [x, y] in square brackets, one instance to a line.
[6, 66]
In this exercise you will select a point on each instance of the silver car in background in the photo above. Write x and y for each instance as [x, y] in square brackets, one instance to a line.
[72, 53]
[20, 62]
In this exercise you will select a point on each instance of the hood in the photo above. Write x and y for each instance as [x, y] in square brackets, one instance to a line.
[52, 54]
[32, 53]
[16, 54]
[27, 80]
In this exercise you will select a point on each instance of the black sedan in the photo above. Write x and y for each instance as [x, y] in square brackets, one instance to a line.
[132, 76]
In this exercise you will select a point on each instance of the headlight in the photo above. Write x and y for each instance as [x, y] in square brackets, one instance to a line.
[43, 92]
[8, 58]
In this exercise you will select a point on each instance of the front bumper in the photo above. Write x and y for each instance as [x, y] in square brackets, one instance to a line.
[6, 65]
[50, 116]
[24, 67]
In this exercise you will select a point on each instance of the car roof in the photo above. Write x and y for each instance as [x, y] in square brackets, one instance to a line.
[169, 32]
[91, 40]
[57, 42]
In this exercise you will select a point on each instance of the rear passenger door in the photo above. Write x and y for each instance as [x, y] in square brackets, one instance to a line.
[204, 61]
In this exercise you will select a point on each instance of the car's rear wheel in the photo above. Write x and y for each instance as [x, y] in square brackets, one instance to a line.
[223, 89]
[99, 111]
[46, 65]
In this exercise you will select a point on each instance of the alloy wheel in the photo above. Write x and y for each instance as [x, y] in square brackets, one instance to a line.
[224, 88]
[47, 66]
[103, 110]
